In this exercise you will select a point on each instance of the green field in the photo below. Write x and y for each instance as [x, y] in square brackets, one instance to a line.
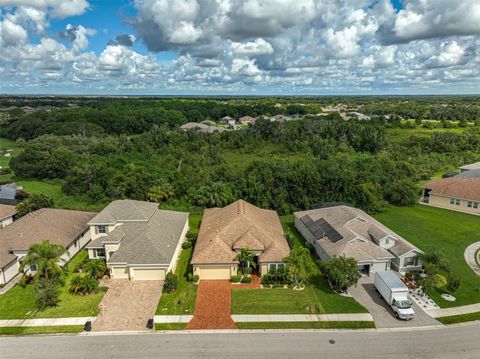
[450, 232]
[316, 298]
[19, 303]
[182, 301]
[306, 325]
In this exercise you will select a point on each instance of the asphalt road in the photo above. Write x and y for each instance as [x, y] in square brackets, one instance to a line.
[447, 342]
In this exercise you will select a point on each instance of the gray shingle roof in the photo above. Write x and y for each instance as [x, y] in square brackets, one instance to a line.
[151, 242]
[125, 210]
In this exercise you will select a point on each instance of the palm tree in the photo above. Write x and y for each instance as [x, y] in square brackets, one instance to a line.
[95, 268]
[45, 256]
[245, 257]
[299, 263]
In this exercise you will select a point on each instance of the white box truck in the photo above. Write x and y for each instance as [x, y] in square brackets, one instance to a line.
[395, 293]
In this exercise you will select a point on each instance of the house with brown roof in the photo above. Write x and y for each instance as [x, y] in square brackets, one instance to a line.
[59, 226]
[458, 193]
[7, 214]
[240, 225]
[246, 120]
[137, 240]
[350, 232]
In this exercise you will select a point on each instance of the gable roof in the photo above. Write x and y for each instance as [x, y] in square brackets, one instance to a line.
[461, 188]
[7, 211]
[470, 167]
[125, 210]
[59, 226]
[468, 174]
[357, 231]
[239, 225]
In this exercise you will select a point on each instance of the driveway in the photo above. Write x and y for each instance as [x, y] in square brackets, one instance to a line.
[212, 306]
[128, 305]
[382, 314]
[470, 256]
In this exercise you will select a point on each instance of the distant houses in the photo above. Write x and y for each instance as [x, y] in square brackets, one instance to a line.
[246, 120]
[202, 127]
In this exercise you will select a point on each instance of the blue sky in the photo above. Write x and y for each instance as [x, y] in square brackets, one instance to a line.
[286, 47]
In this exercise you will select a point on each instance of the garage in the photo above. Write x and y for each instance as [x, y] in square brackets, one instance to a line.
[378, 266]
[213, 272]
[119, 273]
[147, 273]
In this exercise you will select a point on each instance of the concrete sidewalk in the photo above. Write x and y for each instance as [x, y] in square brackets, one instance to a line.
[172, 318]
[470, 256]
[446, 312]
[44, 322]
[361, 317]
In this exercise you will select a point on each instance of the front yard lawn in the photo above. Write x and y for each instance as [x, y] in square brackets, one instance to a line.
[182, 301]
[41, 330]
[459, 318]
[306, 325]
[316, 298]
[19, 303]
[449, 231]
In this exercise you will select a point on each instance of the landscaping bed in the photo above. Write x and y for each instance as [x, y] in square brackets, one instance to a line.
[19, 303]
[306, 325]
[448, 231]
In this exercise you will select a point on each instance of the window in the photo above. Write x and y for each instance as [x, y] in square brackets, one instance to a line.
[452, 200]
[475, 204]
[275, 266]
[99, 252]
[472, 204]
[455, 201]
[102, 229]
[411, 261]
[33, 267]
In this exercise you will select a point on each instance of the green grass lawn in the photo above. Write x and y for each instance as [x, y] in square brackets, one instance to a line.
[316, 298]
[460, 318]
[19, 303]
[306, 325]
[170, 326]
[182, 301]
[449, 231]
[41, 330]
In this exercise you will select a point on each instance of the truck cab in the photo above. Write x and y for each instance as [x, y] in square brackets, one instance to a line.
[402, 308]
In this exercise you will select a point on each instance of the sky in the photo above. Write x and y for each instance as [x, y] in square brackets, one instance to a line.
[240, 47]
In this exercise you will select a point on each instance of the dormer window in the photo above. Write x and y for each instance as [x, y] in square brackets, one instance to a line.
[102, 229]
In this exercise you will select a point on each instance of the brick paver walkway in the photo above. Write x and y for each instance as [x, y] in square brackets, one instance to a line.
[128, 305]
[212, 307]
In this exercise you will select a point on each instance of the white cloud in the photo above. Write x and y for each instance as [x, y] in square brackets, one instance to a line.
[252, 48]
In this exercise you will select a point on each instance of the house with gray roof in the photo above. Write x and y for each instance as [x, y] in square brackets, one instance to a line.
[137, 240]
[350, 232]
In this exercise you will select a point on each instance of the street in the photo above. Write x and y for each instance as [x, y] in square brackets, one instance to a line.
[449, 342]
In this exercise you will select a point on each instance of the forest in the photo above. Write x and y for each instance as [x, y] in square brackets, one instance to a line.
[132, 148]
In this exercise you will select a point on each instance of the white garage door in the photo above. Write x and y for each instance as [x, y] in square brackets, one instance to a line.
[214, 272]
[148, 274]
[378, 266]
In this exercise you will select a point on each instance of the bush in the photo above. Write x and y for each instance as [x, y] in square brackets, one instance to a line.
[196, 278]
[46, 294]
[170, 284]
[190, 277]
[187, 244]
[26, 279]
[5, 171]
[235, 278]
[82, 284]
[453, 283]
[277, 285]
[191, 237]
[266, 280]
[246, 280]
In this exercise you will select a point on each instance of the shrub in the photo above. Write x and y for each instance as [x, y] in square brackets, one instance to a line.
[96, 268]
[170, 284]
[191, 237]
[277, 285]
[26, 279]
[248, 271]
[46, 294]
[196, 278]
[246, 280]
[190, 277]
[82, 284]
[439, 280]
[453, 283]
[266, 280]
[187, 244]
[235, 278]
[5, 171]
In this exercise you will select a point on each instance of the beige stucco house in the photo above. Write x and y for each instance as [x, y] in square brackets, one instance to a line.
[458, 193]
[59, 226]
[350, 232]
[246, 120]
[7, 214]
[240, 225]
[137, 240]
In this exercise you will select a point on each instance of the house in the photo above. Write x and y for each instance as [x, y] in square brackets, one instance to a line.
[227, 119]
[470, 167]
[458, 193]
[59, 226]
[246, 120]
[350, 232]
[240, 225]
[8, 194]
[281, 118]
[7, 214]
[202, 127]
[137, 240]
[208, 122]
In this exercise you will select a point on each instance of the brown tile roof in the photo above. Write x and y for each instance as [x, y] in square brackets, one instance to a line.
[461, 188]
[239, 224]
[7, 211]
[59, 226]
